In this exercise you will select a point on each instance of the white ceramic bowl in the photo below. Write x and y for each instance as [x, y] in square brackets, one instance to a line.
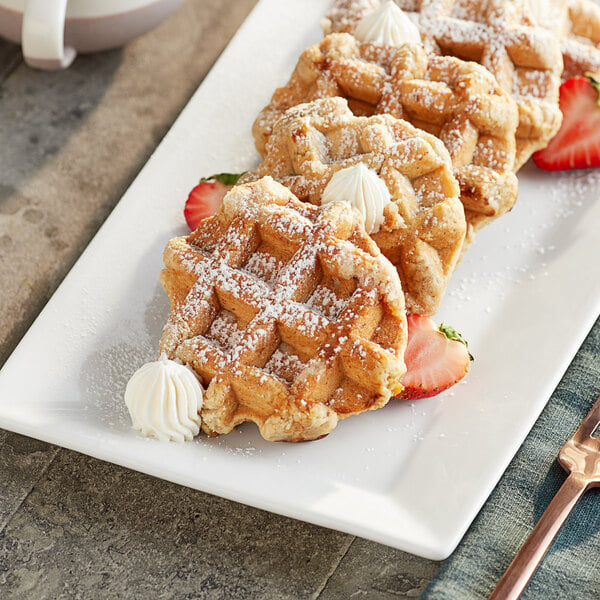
[52, 32]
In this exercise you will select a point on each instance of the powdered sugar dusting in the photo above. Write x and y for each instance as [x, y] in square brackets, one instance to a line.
[285, 364]
[264, 265]
[528, 248]
[326, 301]
[265, 307]
[224, 330]
[524, 59]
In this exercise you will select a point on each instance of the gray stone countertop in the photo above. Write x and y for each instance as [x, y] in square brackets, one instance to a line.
[71, 526]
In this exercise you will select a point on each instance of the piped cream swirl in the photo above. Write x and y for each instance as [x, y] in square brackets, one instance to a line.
[363, 189]
[387, 25]
[164, 399]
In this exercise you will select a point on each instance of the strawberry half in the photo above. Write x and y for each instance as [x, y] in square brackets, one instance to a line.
[205, 199]
[436, 358]
[577, 143]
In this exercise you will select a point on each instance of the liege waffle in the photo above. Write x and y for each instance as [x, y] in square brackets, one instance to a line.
[460, 102]
[525, 59]
[288, 312]
[424, 225]
[577, 25]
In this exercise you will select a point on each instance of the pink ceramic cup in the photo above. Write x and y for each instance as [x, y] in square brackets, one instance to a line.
[52, 32]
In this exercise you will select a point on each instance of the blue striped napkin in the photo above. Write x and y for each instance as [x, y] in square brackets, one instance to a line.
[571, 569]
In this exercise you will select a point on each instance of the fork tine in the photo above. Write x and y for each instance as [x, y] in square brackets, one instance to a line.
[590, 422]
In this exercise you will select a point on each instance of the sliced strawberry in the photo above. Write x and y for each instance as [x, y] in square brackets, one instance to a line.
[206, 198]
[436, 358]
[577, 143]
[204, 201]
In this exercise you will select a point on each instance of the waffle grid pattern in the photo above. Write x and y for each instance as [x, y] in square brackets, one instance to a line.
[577, 25]
[459, 102]
[287, 312]
[424, 226]
[525, 60]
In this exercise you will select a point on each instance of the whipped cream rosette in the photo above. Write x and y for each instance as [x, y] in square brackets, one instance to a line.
[164, 399]
[388, 26]
[364, 190]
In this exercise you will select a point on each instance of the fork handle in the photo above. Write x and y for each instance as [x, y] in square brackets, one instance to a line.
[523, 566]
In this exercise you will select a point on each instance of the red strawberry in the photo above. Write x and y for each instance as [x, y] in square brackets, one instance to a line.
[205, 199]
[577, 143]
[436, 358]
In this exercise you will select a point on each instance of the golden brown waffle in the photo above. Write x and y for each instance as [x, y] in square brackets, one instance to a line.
[577, 25]
[525, 59]
[288, 312]
[459, 102]
[424, 225]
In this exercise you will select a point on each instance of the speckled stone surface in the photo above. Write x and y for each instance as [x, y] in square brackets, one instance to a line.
[369, 570]
[117, 530]
[72, 526]
[23, 462]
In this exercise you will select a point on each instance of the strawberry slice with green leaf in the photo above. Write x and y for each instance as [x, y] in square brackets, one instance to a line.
[205, 199]
[436, 358]
[577, 143]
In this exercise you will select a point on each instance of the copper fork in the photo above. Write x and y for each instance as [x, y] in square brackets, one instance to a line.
[581, 457]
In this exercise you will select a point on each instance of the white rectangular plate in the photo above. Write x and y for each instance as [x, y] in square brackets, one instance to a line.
[412, 475]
